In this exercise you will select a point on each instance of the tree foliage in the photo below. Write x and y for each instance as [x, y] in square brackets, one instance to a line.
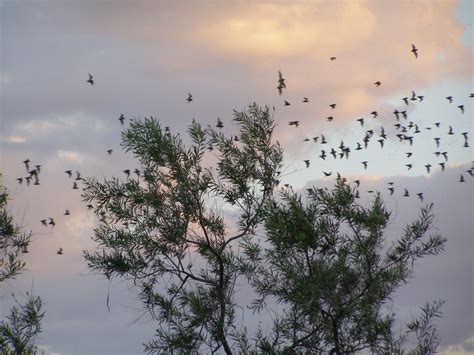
[13, 242]
[184, 232]
[330, 264]
[168, 232]
[23, 324]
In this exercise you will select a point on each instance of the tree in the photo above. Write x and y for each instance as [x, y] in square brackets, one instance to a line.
[13, 242]
[330, 264]
[168, 230]
[183, 231]
[19, 330]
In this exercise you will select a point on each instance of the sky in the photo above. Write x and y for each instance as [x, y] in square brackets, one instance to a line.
[147, 56]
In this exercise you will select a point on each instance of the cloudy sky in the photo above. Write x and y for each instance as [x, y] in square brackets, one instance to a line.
[146, 56]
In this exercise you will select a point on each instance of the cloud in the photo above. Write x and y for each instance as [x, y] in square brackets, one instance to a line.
[464, 348]
[46, 350]
[80, 225]
[365, 177]
[60, 123]
[287, 29]
[14, 139]
[5, 78]
[239, 49]
[71, 156]
[38, 127]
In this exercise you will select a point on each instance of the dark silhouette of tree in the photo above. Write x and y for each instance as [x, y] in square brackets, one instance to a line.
[23, 324]
[331, 266]
[184, 233]
[13, 242]
[168, 230]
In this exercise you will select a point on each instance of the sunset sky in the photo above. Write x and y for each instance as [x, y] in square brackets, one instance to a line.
[146, 56]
